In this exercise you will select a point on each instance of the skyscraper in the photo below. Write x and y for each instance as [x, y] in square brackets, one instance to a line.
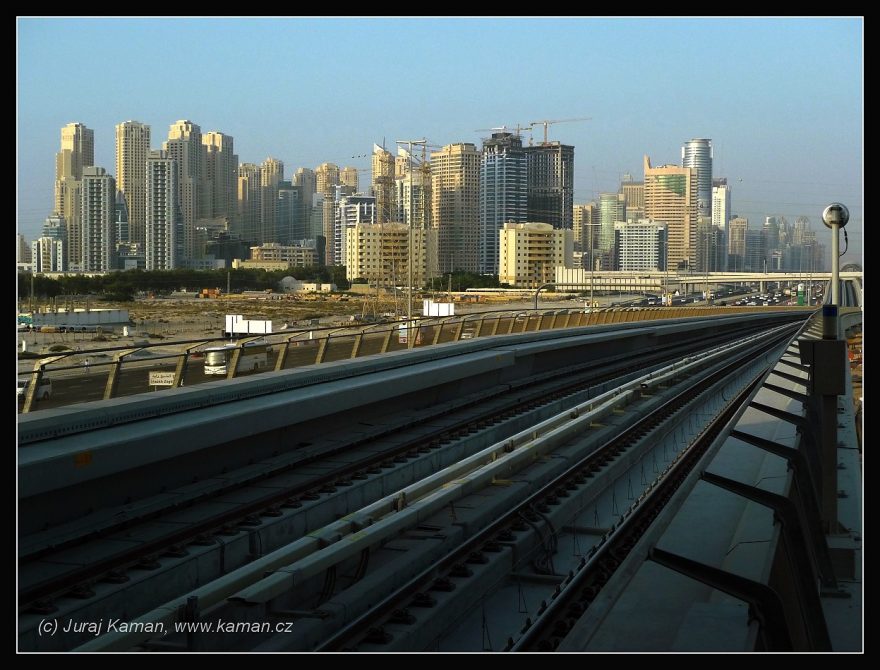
[184, 145]
[132, 147]
[503, 193]
[612, 208]
[326, 180]
[550, 170]
[47, 255]
[271, 175]
[249, 199]
[455, 193]
[736, 243]
[121, 220]
[412, 189]
[634, 196]
[382, 182]
[306, 181]
[288, 211]
[671, 196]
[585, 225]
[720, 203]
[162, 229]
[98, 220]
[697, 154]
[640, 245]
[348, 176]
[351, 210]
[221, 178]
[77, 151]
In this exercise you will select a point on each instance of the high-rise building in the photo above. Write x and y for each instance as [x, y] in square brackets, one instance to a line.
[755, 257]
[612, 208]
[163, 225]
[351, 210]
[184, 145]
[55, 227]
[121, 219]
[98, 217]
[306, 181]
[382, 182]
[720, 203]
[326, 180]
[271, 175]
[47, 255]
[22, 249]
[736, 243]
[529, 253]
[221, 178]
[315, 227]
[710, 247]
[380, 253]
[132, 147]
[415, 191]
[348, 176]
[634, 196]
[249, 202]
[585, 226]
[697, 154]
[671, 196]
[503, 193]
[77, 151]
[455, 195]
[550, 170]
[288, 212]
[640, 245]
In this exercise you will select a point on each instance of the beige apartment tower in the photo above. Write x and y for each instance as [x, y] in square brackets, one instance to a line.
[379, 252]
[132, 149]
[77, 151]
[382, 183]
[221, 178]
[327, 178]
[531, 252]
[348, 176]
[455, 194]
[184, 145]
[671, 196]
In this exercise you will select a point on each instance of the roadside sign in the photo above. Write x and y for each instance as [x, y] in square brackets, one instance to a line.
[161, 378]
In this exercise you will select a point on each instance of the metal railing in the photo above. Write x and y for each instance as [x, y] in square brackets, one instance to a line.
[319, 345]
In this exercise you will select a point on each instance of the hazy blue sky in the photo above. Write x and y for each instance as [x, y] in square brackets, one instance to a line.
[782, 99]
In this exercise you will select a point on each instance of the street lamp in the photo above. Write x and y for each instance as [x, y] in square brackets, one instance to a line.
[835, 216]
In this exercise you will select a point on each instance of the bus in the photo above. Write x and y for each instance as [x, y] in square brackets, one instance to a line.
[254, 356]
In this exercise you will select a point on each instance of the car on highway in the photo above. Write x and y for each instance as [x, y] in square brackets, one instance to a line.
[44, 389]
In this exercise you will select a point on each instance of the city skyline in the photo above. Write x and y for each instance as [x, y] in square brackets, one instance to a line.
[766, 91]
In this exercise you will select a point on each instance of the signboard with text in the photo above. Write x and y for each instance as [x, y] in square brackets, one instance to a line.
[161, 378]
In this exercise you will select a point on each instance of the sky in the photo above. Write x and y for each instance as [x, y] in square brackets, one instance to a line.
[781, 99]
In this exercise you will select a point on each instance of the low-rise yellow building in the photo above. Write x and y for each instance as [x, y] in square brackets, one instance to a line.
[530, 252]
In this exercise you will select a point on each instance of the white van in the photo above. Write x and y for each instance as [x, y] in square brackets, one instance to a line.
[44, 390]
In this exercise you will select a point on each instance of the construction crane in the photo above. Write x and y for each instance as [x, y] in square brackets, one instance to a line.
[546, 123]
[505, 129]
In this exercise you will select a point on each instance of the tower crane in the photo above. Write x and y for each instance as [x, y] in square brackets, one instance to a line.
[546, 123]
[504, 129]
